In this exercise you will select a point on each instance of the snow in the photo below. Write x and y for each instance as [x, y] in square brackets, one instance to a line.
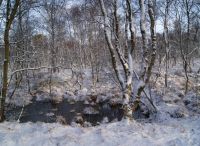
[176, 122]
[90, 110]
[83, 91]
[184, 132]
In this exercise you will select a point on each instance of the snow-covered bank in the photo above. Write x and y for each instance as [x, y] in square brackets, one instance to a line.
[176, 123]
[177, 132]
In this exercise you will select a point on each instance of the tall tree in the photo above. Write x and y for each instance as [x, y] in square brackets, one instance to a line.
[126, 84]
[144, 37]
[10, 15]
[166, 38]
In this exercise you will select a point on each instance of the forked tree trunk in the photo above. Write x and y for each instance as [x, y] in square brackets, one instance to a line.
[126, 62]
[126, 59]
[151, 61]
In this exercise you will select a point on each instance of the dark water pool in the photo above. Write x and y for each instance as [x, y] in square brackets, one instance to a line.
[49, 112]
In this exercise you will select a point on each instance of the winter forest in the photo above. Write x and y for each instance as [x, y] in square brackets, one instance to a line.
[100, 72]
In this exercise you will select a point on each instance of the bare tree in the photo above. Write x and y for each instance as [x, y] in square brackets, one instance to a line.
[10, 15]
[127, 60]
[144, 37]
[167, 47]
[151, 60]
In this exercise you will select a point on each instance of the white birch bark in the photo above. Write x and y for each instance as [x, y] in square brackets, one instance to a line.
[110, 45]
[152, 57]
[144, 38]
[126, 62]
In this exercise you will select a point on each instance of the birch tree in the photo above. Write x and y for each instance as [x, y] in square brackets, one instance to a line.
[126, 83]
[145, 77]
[144, 37]
[126, 59]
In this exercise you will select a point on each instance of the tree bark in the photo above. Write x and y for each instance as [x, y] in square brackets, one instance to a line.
[144, 38]
[126, 63]
[166, 40]
[10, 15]
[151, 61]
[1, 2]
[110, 45]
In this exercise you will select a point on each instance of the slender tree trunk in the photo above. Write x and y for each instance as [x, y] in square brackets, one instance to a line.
[1, 2]
[187, 63]
[116, 33]
[127, 64]
[166, 40]
[144, 39]
[5, 74]
[10, 15]
[131, 29]
[53, 51]
[110, 45]
[151, 61]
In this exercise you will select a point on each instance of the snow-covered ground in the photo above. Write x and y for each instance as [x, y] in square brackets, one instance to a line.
[182, 132]
[177, 122]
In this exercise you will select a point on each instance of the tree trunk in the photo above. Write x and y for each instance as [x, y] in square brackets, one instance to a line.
[5, 74]
[166, 40]
[144, 39]
[9, 19]
[110, 45]
[151, 61]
